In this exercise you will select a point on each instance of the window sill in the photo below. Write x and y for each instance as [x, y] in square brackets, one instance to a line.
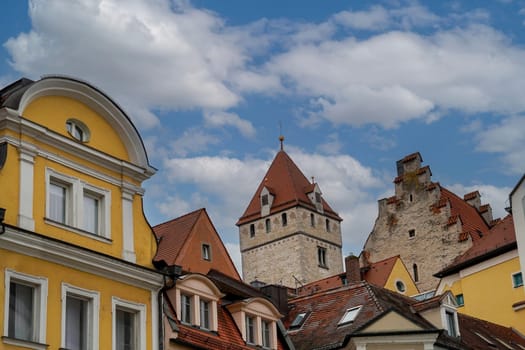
[78, 231]
[24, 343]
[324, 267]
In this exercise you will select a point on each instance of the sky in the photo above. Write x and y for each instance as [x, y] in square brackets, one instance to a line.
[353, 86]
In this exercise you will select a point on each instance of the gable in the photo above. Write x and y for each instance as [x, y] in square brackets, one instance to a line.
[399, 273]
[391, 322]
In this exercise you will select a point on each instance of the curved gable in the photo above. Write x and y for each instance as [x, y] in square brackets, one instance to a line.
[199, 284]
[96, 101]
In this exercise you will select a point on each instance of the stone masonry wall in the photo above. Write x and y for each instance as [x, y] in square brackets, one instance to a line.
[275, 256]
[432, 244]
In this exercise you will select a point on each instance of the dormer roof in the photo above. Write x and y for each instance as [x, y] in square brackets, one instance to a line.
[290, 188]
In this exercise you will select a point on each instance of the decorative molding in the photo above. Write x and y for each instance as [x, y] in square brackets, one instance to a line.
[75, 257]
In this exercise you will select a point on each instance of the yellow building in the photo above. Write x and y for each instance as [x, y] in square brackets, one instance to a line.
[487, 280]
[75, 248]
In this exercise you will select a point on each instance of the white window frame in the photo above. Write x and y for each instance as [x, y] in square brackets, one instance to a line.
[206, 251]
[251, 340]
[349, 315]
[93, 299]
[76, 190]
[444, 320]
[40, 286]
[140, 317]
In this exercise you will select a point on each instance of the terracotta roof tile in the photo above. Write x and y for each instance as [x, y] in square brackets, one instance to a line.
[290, 188]
[471, 195]
[172, 235]
[473, 330]
[379, 271]
[499, 239]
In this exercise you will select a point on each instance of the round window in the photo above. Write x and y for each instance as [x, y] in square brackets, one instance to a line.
[78, 130]
[400, 286]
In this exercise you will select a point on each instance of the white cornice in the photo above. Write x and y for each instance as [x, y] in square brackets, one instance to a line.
[81, 259]
[10, 119]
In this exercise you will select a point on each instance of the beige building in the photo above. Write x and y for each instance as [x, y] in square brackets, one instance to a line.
[289, 234]
[426, 224]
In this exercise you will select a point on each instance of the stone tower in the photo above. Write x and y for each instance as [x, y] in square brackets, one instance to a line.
[426, 224]
[289, 234]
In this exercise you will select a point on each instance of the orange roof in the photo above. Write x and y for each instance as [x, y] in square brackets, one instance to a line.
[290, 188]
[380, 271]
[500, 239]
[471, 220]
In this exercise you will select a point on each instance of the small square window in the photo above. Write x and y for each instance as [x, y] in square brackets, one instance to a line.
[206, 252]
[460, 300]
[411, 233]
[350, 315]
[517, 279]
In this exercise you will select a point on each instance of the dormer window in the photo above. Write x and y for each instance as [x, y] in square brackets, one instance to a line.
[317, 197]
[451, 323]
[298, 320]
[78, 130]
[349, 315]
[264, 199]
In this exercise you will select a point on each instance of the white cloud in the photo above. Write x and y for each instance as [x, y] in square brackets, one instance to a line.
[193, 140]
[497, 197]
[219, 119]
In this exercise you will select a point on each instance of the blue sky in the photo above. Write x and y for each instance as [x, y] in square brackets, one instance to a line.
[353, 86]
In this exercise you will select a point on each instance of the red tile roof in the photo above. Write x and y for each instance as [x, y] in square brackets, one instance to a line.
[379, 271]
[172, 235]
[473, 330]
[501, 238]
[290, 187]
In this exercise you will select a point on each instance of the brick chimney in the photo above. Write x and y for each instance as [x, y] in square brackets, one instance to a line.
[353, 270]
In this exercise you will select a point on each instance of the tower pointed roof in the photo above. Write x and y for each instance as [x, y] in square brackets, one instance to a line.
[290, 188]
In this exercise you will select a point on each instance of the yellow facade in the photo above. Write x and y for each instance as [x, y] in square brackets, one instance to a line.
[74, 224]
[400, 273]
[488, 291]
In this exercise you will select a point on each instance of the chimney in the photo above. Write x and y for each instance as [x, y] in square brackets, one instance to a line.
[473, 198]
[486, 211]
[353, 271]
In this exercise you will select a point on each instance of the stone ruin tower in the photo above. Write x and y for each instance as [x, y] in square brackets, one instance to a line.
[426, 224]
[289, 234]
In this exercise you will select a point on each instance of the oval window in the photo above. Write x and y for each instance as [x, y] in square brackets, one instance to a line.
[400, 286]
[78, 130]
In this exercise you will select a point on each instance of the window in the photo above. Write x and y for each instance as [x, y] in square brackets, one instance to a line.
[77, 204]
[327, 225]
[317, 197]
[451, 324]
[312, 220]
[268, 225]
[250, 329]
[349, 315]
[400, 286]
[129, 325]
[416, 273]
[206, 252]
[185, 308]
[79, 318]
[252, 230]
[298, 320]
[266, 334]
[58, 201]
[460, 300]
[26, 307]
[205, 314]
[321, 256]
[78, 130]
[284, 219]
[264, 199]
[411, 233]
[517, 279]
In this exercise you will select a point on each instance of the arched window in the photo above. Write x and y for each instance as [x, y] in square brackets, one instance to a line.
[268, 225]
[312, 220]
[284, 219]
[416, 274]
[327, 222]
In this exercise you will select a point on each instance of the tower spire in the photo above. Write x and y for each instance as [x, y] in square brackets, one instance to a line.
[281, 137]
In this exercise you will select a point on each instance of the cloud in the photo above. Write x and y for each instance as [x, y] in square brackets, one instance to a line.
[497, 197]
[506, 138]
[235, 253]
[219, 119]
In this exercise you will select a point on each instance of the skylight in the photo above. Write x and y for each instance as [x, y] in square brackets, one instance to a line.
[350, 315]
[299, 320]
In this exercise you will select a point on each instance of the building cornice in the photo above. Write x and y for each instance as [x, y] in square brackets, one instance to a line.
[80, 258]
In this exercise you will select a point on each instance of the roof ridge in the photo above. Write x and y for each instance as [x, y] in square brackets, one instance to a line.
[180, 217]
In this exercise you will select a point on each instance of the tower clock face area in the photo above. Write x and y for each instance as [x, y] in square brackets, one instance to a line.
[289, 234]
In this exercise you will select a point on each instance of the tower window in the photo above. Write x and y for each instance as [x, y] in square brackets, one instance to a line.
[284, 219]
[206, 252]
[416, 273]
[252, 230]
[411, 233]
[268, 224]
[327, 224]
[312, 220]
[321, 256]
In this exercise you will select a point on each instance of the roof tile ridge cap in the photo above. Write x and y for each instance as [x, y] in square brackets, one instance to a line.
[179, 217]
[373, 296]
[289, 162]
